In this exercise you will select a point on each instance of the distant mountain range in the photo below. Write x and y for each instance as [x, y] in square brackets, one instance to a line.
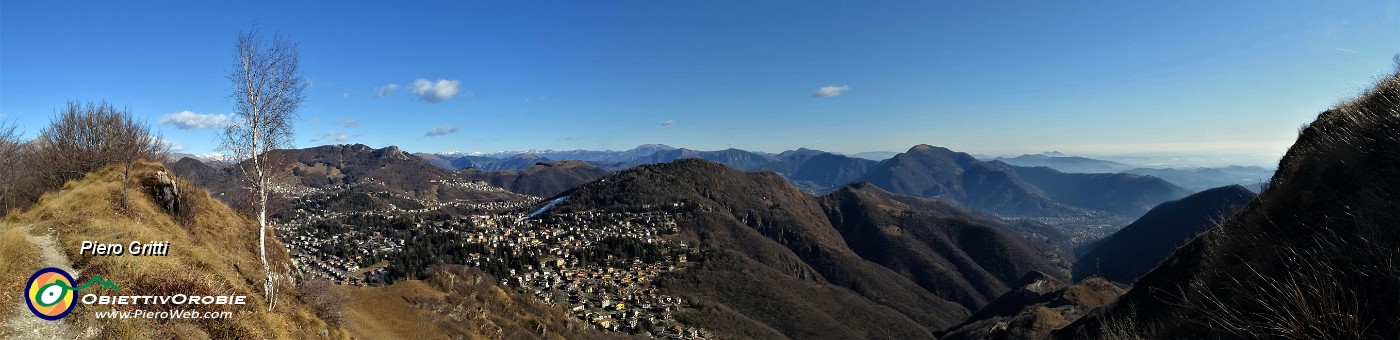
[545, 179]
[830, 172]
[1194, 179]
[1059, 161]
[922, 171]
[934, 172]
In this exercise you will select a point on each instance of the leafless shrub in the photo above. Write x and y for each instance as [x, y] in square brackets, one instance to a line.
[10, 153]
[327, 302]
[81, 139]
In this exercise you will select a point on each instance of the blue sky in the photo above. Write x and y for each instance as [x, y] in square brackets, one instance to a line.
[1227, 82]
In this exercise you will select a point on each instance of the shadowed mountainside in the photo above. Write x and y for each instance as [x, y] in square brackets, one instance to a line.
[773, 264]
[1122, 194]
[934, 172]
[1316, 255]
[1040, 304]
[1134, 250]
[542, 179]
[959, 255]
[819, 172]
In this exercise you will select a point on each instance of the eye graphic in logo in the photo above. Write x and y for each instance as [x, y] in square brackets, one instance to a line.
[50, 293]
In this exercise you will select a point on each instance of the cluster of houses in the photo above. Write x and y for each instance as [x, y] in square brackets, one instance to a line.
[468, 184]
[620, 299]
[614, 295]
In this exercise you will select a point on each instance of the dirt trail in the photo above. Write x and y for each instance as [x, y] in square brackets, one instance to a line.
[24, 324]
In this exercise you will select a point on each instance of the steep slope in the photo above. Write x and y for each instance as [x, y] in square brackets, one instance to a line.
[1039, 304]
[957, 254]
[513, 163]
[1122, 194]
[1315, 256]
[934, 172]
[816, 171]
[356, 168]
[212, 251]
[771, 261]
[800, 152]
[207, 176]
[464, 162]
[437, 160]
[543, 179]
[1134, 250]
[454, 302]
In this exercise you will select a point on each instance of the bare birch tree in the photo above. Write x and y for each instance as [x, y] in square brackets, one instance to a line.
[267, 87]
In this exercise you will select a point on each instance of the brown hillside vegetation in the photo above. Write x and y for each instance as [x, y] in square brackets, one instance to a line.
[212, 252]
[772, 264]
[1316, 256]
[957, 254]
[1040, 304]
[542, 179]
[456, 302]
[771, 258]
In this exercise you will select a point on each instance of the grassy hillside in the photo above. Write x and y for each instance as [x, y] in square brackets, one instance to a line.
[213, 251]
[456, 302]
[1315, 256]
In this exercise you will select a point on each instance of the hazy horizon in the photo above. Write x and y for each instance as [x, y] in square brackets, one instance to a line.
[1194, 83]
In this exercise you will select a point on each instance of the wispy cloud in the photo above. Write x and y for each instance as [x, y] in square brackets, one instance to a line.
[436, 92]
[188, 120]
[1345, 50]
[174, 146]
[331, 137]
[386, 90]
[668, 122]
[830, 91]
[348, 123]
[442, 130]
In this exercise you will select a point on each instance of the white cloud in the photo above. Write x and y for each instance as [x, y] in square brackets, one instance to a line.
[187, 120]
[436, 92]
[830, 91]
[349, 123]
[386, 90]
[442, 130]
[668, 122]
[331, 137]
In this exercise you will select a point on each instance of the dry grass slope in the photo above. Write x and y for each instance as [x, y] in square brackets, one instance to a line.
[212, 252]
